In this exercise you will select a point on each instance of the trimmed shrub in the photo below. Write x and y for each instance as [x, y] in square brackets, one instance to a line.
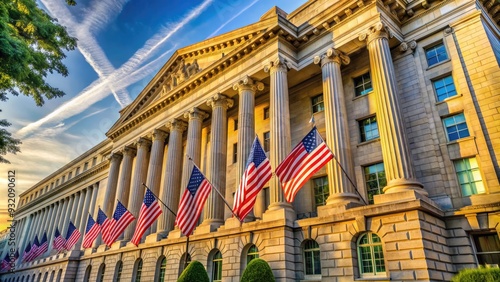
[194, 272]
[258, 270]
[479, 274]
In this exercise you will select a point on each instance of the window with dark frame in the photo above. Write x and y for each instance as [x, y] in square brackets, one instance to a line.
[253, 252]
[487, 249]
[375, 180]
[217, 267]
[267, 144]
[368, 129]
[362, 84]
[317, 103]
[312, 261]
[444, 88]
[235, 124]
[435, 54]
[469, 176]
[266, 113]
[456, 127]
[321, 191]
[235, 153]
[370, 255]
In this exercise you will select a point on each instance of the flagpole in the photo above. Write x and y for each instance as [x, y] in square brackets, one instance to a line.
[350, 180]
[217, 190]
[160, 200]
[187, 253]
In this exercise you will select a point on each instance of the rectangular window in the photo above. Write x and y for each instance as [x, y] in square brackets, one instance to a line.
[368, 129]
[267, 145]
[51, 185]
[85, 166]
[94, 161]
[235, 124]
[469, 176]
[436, 54]
[456, 127]
[63, 179]
[57, 182]
[317, 103]
[444, 88]
[235, 153]
[267, 199]
[321, 191]
[363, 84]
[487, 249]
[70, 175]
[374, 180]
[266, 113]
[77, 171]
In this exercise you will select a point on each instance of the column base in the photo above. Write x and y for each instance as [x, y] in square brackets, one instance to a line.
[350, 199]
[402, 185]
[102, 248]
[176, 233]
[74, 254]
[153, 238]
[89, 251]
[399, 196]
[285, 212]
[336, 208]
[118, 245]
[231, 223]
[208, 225]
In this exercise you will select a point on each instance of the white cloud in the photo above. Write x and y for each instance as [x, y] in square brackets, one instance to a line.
[232, 18]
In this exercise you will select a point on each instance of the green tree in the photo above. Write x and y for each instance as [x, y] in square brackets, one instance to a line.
[257, 270]
[194, 272]
[32, 44]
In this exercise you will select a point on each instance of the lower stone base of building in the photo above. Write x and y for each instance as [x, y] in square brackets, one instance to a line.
[407, 241]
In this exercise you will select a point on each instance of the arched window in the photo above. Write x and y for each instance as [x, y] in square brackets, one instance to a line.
[39, 277]
[45, 276]
[252, 253]
[52, 274]
[138, 270]
[217, 267]
[118, 271]
[87, 273]
[59, 274]
[161, 267]
[22, 279]
[370, 255]
[184, 262]
[100, 274]
[312, 263]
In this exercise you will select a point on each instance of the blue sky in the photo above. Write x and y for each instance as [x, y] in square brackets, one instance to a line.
[121, 45]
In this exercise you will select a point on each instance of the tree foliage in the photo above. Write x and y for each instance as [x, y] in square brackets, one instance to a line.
[32, 45]
[479, 274]
[194, 272]
[258, 270]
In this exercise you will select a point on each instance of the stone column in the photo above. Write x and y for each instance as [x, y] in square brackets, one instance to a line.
[84, 215]
[137, 189]
[397, 158]
[59, 220]
[52, 221]
[155, 164]
[48, 221]
[172, 181]
[67, 215]
[43, 222]
[50, 236]
[75, 207]
[214, 209]
[337, 130]
[193, 144]
[280, 136]
[21, 233]
[109, 197]
[123, 190]
[95, 190]
[80, 210]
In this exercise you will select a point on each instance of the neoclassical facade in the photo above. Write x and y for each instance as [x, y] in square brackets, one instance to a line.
[406, 95]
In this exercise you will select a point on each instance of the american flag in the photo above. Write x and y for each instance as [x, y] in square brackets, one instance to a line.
[58, 243]
[34, 248]
[42, 248]
[5, 264]
[106, 226]
[309, 156]
[150, 211]
[122, 218]
[257, 173]
[192, 201]
[72, 236]
[27, 251]
[91, 232]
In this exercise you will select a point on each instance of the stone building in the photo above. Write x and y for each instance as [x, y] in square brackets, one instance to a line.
[405, 93]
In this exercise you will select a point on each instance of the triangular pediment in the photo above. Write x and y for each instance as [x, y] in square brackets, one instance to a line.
[187, 63]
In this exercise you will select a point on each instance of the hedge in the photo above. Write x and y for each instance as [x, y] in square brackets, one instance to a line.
[479, 274]
[194, 272]
[258, 270]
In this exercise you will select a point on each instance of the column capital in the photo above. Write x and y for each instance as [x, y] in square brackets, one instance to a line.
[159, 135]
[142, 142]
[404, 46]
[332, 55]
[195, 113]
[378, 30]
[115, 157]
[220, 100]
[176, 124]
[278, 64]
[128, 151]
[247, 83]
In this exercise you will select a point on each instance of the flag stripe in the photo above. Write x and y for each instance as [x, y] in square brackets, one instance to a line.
[150, 211]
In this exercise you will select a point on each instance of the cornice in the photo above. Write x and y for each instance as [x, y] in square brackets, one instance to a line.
[73, 181]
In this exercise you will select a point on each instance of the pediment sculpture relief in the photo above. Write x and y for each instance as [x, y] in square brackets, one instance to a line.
[180, 73]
